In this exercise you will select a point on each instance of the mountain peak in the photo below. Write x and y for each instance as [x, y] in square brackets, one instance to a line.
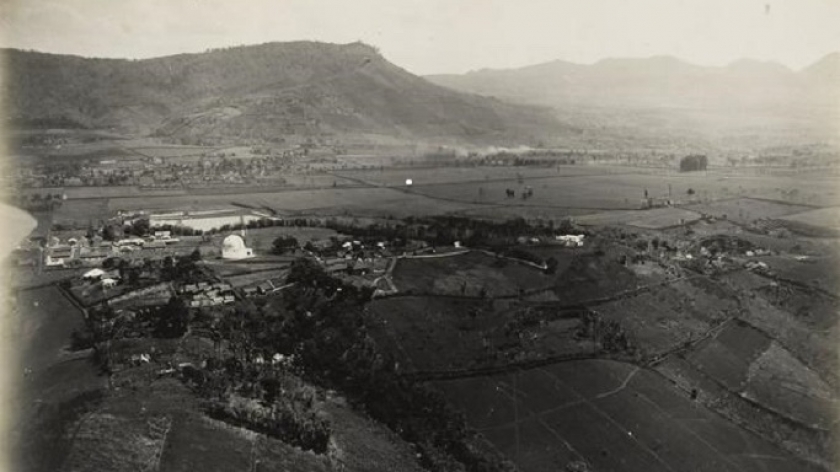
[827, 68]
[272, 90]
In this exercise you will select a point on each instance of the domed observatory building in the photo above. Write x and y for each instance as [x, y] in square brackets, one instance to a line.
[233, 247]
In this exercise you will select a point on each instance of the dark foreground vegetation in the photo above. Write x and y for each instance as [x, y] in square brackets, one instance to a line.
[274, 365]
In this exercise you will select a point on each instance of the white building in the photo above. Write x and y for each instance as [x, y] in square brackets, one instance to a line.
[571, 240]
[93, 274]
[233, 247]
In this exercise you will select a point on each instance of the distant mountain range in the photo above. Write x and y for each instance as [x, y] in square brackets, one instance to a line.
[264, 92]
[282, 92]
[762, 101]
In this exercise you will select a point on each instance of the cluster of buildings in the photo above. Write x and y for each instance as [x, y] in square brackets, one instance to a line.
[108, 279]
[169, 172]
[203, 294]
[87, 252]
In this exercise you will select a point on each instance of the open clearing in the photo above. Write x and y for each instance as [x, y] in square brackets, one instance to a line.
[608, 191]
[614, 416]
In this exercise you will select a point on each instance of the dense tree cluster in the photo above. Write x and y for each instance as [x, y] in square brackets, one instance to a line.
[284, 244]
[608, 333]
[694, 162]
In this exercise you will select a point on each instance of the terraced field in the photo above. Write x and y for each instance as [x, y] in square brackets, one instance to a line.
[610, 415]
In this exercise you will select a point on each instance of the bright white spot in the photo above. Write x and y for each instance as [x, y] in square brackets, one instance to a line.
[409, 182]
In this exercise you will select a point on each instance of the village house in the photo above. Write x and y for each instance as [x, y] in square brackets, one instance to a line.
[58, 256]
[92, 256]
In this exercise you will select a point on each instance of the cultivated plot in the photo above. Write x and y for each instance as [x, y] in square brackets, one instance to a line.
[824, 218]
[614, 416]
[746, 210]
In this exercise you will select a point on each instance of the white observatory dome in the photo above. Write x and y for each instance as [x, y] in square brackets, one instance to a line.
[233, 247]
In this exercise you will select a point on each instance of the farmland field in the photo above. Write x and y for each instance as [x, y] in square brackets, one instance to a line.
[168, 150]
[780, 382]
[790, 435]
[433, 176]
[745, 210]
[655, 218]
[828, 218]
[355, 201]
[467, 274]
[515, 209]
[727, 357]
[668, 316]
[442, 333]
[821, 271]
[471, 191]
[816, 349]
[614, 416]
[818, 311]
[74, 193]
[625, 190]
[82, 212]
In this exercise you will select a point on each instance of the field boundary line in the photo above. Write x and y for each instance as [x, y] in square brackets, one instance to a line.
[455, 374]
[621, 386]
[720, 454]
[532, 415]
[615, 423]
[736, 419]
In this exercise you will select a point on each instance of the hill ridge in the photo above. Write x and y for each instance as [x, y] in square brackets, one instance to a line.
[258, 92]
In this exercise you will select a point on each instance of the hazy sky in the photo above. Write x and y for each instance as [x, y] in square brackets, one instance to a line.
[433, 36]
